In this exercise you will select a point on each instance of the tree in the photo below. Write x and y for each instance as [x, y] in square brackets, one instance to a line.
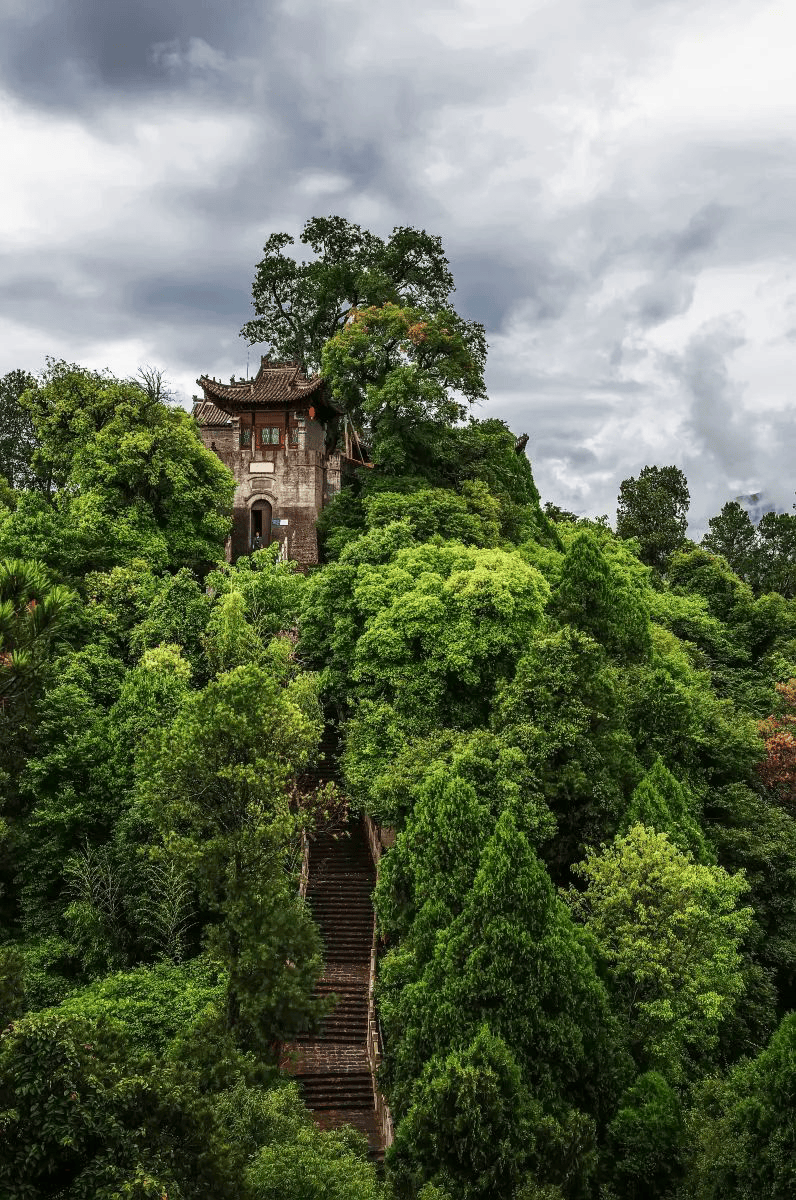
[216, 784]
[777, 554]
[79, 787]
[646, 1141]
[744, 1127]
[399, 374]
[662, 803]
[285, 1156]
[512, 958]
[754, 835]
[155, 384]
[128, 478]
[597, 596]
[654, 509]
[472, 1124]
[17, 435]
[33, 612]
[79, 1124]
[448, 622]
[299, 306]
[778, 769]
[671, 931]
[732, 535]
[565, 710]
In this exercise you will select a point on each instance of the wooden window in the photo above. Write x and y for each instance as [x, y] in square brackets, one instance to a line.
[245, 437]
[269, 435]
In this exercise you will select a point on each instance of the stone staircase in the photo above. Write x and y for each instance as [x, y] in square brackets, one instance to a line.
[332, 1065]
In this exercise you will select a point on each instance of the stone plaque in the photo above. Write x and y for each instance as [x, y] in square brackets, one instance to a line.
[261, 468]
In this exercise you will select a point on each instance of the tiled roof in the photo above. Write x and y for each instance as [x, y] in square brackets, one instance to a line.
[207, 413]
[277, 384]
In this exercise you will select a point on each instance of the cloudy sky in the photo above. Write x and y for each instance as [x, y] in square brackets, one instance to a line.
[614, 182]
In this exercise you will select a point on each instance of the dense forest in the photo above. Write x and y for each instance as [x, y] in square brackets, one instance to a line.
[583, 739]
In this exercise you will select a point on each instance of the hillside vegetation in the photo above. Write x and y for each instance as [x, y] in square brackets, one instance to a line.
[583, 741]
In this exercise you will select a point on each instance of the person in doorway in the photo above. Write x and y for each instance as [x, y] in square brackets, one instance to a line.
[257, 542]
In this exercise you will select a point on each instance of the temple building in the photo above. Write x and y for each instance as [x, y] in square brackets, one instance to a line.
[278, 435]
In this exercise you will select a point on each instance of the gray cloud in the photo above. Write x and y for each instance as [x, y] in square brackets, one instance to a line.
[606, 198]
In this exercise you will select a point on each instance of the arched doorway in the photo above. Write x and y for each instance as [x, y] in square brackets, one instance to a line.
[260, 523]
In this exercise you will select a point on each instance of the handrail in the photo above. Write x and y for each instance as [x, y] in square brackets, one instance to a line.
[305, 864]
[375, 1045]
[375, 1040]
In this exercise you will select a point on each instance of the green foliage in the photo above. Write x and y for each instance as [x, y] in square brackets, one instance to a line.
[45, 971]
[291, 1158]
[472, 518]
[732, 536]
[565, 710]
[177, 615]
[149, 1006]
[130, 475]
[300, 306]
[215, 784]
[777, 555]
[654, 509]
[440, 625]
[675, 713]
[94, 722]
[33, 612]
[393, 370]
[76, 1122]
[661, 803]
[646, 1141]
[458, 459]
[597, 596]
[272, 590]
[17, 437]
[512, 958]
[759, 838]
[513, 689]
[744, 1127]
[471, 1126]
[671, 930]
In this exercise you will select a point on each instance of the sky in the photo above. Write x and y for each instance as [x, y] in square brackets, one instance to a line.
[614, 183]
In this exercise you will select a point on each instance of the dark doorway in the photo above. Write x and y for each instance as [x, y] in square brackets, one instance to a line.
[260, 515]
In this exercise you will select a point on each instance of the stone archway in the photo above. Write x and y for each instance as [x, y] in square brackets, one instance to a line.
[260, 514]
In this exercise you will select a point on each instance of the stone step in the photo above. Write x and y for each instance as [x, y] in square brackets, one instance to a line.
[331, 1065]
[365, 1120]
[328, 1092]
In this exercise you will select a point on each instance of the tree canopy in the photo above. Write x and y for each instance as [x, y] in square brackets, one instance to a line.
[300, 306]
[575, 747]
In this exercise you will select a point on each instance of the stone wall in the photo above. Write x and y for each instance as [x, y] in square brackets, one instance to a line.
[292, 478]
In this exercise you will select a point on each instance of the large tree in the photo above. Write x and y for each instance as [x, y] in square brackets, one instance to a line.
[127, 477]
[777, 553]
[732, 535]
[217, 785]
[17, 436]
[744, 1127]
[671, 931]
[299, 306]
[654, 509]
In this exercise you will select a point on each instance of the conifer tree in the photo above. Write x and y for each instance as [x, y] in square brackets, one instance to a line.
[595, 597]
[660, 802]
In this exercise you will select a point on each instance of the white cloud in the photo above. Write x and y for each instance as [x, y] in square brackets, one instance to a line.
[613, 182]
[74, 183]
